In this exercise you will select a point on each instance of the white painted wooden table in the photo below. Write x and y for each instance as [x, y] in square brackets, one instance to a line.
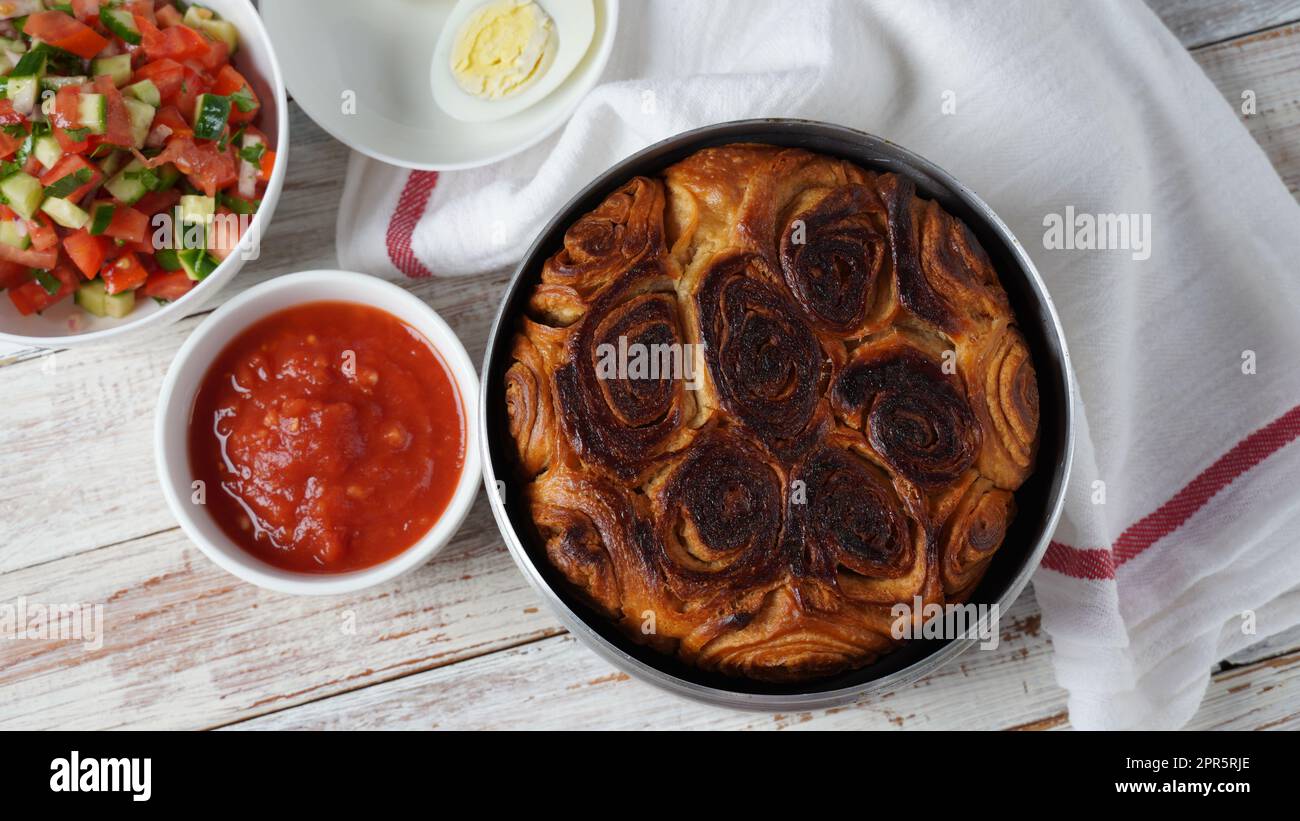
[463, 642]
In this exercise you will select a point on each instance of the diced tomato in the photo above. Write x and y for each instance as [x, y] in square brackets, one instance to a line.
[171, 117]
[13, 274]
[30, 257]
[144, 8]
[228, 82]
[129, 224]
[224, 234]
[166, 74]
[66, 32]
[71, 164]
[192, 86]
[179, 42]
[31, 297]
[168, 16]
[85, 251]
[267, 166]
[217, 55]
[118, 130]
[9, 143]
[187, 44]
[68, 143]
[155, 202]
[168, 285]
[67, 114]
[9, 115]
[208, 168]
[86, 10]
[42, 232]
[124, 274]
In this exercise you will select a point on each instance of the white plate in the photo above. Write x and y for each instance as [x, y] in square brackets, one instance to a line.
[361, 71]
[65, 324]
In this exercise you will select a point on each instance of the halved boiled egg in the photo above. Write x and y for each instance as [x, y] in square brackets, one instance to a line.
[494, 58]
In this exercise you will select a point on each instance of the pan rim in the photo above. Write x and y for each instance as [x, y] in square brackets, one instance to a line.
[752, 130]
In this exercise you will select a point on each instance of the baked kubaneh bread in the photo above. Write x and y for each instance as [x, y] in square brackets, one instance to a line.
[863, 414]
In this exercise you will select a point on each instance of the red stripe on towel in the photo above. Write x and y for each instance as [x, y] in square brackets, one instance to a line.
[1100, 563]
[410, 207]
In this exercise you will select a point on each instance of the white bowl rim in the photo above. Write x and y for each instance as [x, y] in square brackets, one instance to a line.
[561, 116]
[195, 299]
[234, 559]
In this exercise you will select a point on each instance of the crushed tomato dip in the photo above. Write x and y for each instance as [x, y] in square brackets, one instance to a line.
[329, 437]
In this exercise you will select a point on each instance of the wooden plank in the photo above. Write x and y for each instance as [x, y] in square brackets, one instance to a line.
[1267, 64]
[186, 645]
[559, 684]
[1198, 22]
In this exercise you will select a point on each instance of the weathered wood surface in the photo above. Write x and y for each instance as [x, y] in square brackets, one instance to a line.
[1198, 23]
[463, 642]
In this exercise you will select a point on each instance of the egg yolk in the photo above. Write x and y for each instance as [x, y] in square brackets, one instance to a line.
[501, 48]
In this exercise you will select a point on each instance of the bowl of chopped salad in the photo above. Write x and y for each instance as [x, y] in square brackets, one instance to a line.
[142, 152]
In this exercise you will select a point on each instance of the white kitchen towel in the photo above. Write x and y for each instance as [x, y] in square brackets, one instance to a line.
[1177, 546]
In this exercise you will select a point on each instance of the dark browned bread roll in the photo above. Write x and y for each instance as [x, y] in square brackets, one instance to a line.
[863, 410]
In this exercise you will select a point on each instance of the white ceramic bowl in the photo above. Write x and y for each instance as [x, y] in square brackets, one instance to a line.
[65, 324]
[361, 71]
[175, 403]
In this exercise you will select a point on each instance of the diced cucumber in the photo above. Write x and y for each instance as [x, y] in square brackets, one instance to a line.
[248, 171]
[145, 91]
[23, 92]
[95, 298]
[210, 114]
[13, 232]
[120, 22]
[65, 213]
[141, 115]
[196, 212]
[90, 296]
[168, 175]
[196, 262]
[101, 217]
[24, 193]
[126, 185]
[197, 209]
[47, 150]
[110, 164]
[238, 204]
[204, 20]
[93, 112]
[54, 82]
[11, 54]
[117, 67]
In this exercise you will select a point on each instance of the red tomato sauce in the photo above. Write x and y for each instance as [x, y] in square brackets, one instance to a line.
[329, 437]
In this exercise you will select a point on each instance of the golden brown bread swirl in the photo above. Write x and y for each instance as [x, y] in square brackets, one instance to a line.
[862, 411]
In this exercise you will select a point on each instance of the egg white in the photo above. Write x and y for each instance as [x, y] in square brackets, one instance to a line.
[574, 24]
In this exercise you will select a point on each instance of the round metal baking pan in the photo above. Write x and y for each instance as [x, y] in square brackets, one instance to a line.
[1039, 500]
